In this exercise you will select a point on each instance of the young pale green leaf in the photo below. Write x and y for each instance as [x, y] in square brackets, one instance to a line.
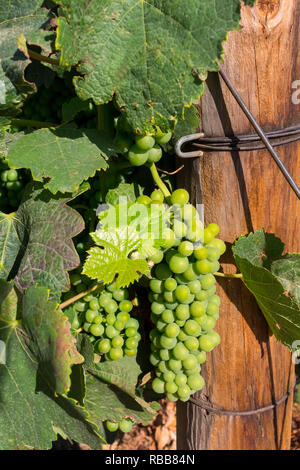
[62, 158]
[36, 246]
[111, 257]
[125, 191]
[51, 341]
[274, 280]
[111, 389]
[30, 412]
[152, 55]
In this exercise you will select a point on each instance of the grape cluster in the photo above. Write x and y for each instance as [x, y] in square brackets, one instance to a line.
[105, 316]
[11, 186]
[140, 149]
[124, 425]
[184, 306]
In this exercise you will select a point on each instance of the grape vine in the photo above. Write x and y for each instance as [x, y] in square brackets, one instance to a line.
[108, 293]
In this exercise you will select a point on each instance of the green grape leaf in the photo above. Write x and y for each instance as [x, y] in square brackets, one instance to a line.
[51, 341]
[188, 124]
[19, 21]
[36, 242]
[152, 56]
[31, 414]
[130, 192]
[73, 107]
[8, 301]
[111, 257]
[274, 280]
[111, 389]
[64, 157]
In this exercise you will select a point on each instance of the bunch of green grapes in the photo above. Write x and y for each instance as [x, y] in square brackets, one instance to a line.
[184, 304]
[124, 425]
[104, 316]
[11, 187]
[140, 149]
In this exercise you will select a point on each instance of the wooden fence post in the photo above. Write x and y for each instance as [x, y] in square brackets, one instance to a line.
[242, 193]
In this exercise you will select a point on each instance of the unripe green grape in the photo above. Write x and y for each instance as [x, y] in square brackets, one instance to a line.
[103, 346]
[125, 306]
[211, 291]
[144, 142]
[180, 197]
[185, 248]
[170, 284]
[111, 307]
[182, 312]
[208, 235]
[180, 379]
[162, 367]
[202, 295]
[214, 228]
[188, 212]
[212, 308]
[194, 286]
[197, 309]
[200, 253]
[172, 330]
[213, 254]
[169, 297]
[184, 392]
[168, 237]
[192, 328]
[112, 426]
[162, 271]
[195, 370]
[96, 330]
[180, 352]
[111, 287]
[131, 331]
[156, 286]
[171, 306]
[125, 425]
[123, 316]
[130, 352]
[190, 274]
[120, 294]
[143, 199]
[157, 308]
[76, 323]
[157, 257]
[207, 281]
[215, 266]
[215, 299]
[137, 156]
[119, 325]
[115, 354]
[94, 304]
[110, 318]
[195, 233]
[209, 323]
[166, 342]
[80, 306]
[178, 263]
[154, 358]
[164, 354]
[203, 266]
[182, 335]
[208, 341]
[201, 320]
[172, 397]
[133, 322]
[190, 362]
[90, 315]
[158, 385]
[180, 229]
[86, 326]
[154, 154]
[182, 293]
[169, 376]
[171, 387]
[104, 299]
[175, 365]
[219, 244]
[201, 357]
[168, 316]
[110, 331]
[162, 138]
[160, 325]
[195, 382]
[157, 196]
[191, 343]
[118, 341]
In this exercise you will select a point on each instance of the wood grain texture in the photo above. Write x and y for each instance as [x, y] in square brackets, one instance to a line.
[242, 193]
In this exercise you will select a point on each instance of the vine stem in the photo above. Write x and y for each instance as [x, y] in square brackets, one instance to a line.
[229, 276]
[157, 179]
[29, 123]
[79, 296]
[42, 58]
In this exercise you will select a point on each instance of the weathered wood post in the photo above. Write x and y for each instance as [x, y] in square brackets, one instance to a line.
[242, 193]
